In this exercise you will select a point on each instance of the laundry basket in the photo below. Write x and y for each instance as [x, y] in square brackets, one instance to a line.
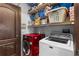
[57, 15]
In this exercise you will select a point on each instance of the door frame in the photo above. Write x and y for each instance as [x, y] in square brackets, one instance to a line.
[76, 29]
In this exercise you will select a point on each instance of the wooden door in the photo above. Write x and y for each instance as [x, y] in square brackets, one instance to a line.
[76, 28]
[9, 30]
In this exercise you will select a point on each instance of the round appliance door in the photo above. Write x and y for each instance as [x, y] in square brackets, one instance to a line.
[26, 48]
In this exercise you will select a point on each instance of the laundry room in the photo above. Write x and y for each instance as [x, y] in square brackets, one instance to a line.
[39, 29]
[48, 22]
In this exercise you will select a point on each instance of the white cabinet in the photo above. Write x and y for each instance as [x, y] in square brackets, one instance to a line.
[47, 50]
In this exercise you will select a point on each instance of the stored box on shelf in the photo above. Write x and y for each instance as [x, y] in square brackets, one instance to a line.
[44, 21]
[57, 15]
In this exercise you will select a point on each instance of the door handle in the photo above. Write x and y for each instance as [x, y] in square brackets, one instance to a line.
[17, 35]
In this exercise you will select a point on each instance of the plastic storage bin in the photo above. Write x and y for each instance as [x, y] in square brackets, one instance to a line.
[41, 14]
[32, 4]
[55, 6]
[57, 15]
[71, 13]
[32, 17]
[44, 21]
[67, 5]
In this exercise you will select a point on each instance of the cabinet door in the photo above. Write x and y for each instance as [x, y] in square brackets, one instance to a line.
[47, 50]
[76, 28]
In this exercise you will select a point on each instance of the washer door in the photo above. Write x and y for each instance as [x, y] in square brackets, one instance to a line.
[26, 48]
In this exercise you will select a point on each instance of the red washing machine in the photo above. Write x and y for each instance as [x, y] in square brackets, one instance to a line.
[31, 43]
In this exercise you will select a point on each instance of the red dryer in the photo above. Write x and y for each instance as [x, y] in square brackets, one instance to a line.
[31, 43]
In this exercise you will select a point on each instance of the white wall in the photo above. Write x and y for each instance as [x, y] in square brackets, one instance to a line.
[50, 29]
[24, 20]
